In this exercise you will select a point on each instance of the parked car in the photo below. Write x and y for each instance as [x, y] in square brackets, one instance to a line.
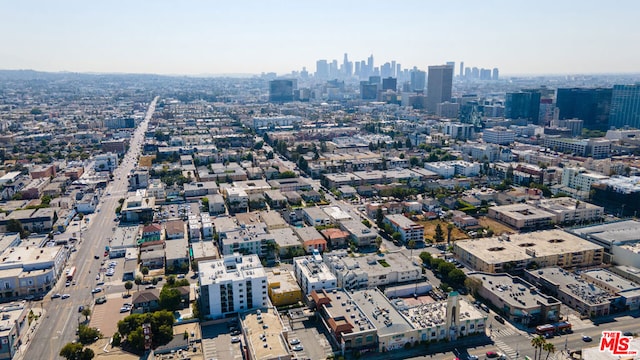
[499, 319]
[101, 300]
[55, 296]
[294, 341]
[65, 296]
[298, 348]
[235, 339]
[80, 308]
[96, 290]
[491, 354]
[125, 309]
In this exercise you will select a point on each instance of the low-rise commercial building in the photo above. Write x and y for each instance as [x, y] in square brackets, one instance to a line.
[517, 300]
[571, 289]
[283, 288]
[522, 216]
[265, 335]
[627, 291]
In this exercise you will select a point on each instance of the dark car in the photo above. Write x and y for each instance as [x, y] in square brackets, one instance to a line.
[587, 338]
[80, 308]
[96, 257]
[499, 319]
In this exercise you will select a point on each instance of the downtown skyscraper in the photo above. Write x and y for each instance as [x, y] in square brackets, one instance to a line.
[439, 85]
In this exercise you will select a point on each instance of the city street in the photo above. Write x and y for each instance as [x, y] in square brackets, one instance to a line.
[63, 317]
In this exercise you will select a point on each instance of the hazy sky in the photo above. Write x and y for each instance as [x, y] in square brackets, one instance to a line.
[215, 37]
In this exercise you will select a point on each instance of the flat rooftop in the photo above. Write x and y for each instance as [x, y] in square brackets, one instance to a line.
[613, 280]
[429, 315]
[521, 211]
[264, 334]
[513, 290]
[380, 312]
[230, 268]
[502, 249]
[343, 308]
[573, 284]
[613, 232]
[286, 279]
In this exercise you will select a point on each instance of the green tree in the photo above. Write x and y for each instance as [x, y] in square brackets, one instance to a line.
[449, 230]
[439, 234]
[75, 351]
[396, 236]
[170, 298]
[378, 242]
[366, 223]
[116, 339]
[14, 225]
[128, 285]
[425, 256]
[86, 312]
[379, 217]
[87, 335]
[144, 271]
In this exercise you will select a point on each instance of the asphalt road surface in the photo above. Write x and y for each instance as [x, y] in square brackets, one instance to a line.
[62, 319]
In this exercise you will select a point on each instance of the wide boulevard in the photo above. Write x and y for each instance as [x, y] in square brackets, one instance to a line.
[62, 317]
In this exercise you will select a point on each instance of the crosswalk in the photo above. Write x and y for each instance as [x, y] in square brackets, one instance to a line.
[506, 349]
[506, 332]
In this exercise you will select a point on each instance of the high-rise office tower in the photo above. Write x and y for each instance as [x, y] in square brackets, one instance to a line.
[590, 105]
[368, 91]
[475, 73]
[386, 70]
[418, 79]
[393, 68]
[439, 84]
[461, 69]
[625, 106]
[523, 105]
[485, 74]
[280, 90]
[451, 63]
[496, 74]
[322, 69]
[389, 84]
[357, 70]
[370, 64]
[347, 66]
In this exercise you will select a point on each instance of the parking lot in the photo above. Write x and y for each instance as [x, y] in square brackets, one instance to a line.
[312, 338]
[216, 343]
[106, 316]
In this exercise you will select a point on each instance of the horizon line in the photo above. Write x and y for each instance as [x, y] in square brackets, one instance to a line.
[245, 75]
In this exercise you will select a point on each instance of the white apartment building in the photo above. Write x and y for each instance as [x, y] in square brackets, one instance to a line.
[580, 178]
[232, 284]
[313, 274]
[408, 229]
[499, 135]
[105, 162]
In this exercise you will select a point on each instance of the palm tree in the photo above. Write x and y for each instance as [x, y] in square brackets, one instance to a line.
[128, 285]
[538, 342]
[549, 348]
[138, 281]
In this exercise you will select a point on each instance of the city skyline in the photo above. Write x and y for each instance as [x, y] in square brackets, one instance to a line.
[202, 38]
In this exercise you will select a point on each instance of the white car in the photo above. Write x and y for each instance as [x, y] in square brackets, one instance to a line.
[294, 341]
[65, 296]
[298, 348]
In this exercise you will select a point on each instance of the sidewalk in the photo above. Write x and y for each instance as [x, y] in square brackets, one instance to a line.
[29, 332]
